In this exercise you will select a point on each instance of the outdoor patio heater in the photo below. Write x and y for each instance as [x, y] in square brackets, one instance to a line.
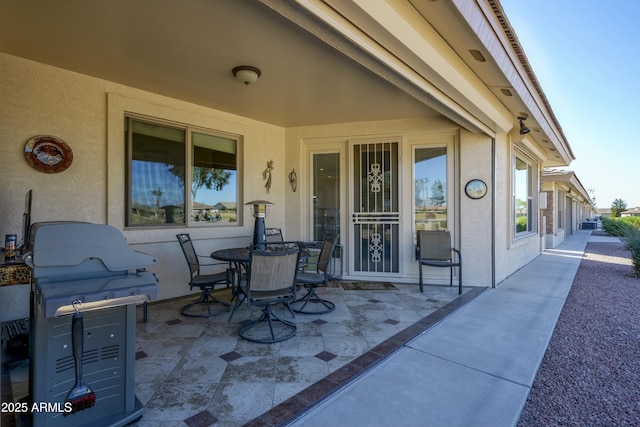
[259, 212]
[87, 271]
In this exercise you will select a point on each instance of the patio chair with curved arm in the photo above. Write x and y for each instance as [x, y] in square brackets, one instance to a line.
[435, 250]
[270, 280]
[311, 302]
[206, 282]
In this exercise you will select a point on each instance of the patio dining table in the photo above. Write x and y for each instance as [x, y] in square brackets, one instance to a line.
[239, 257]
[232, 255]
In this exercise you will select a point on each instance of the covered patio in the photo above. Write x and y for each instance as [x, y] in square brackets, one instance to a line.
[441, 101]
[199, 372]
[420, 99]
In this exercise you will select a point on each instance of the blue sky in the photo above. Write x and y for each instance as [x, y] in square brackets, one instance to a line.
[585, 55]
[149, 176]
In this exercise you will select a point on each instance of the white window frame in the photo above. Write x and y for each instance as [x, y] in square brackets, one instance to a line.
[448, 186]
[532, 186]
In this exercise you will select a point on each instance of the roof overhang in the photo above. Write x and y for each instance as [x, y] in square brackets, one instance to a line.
[567, 180]
[322, 61]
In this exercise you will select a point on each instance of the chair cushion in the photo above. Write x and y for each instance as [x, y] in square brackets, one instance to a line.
[209, 279]
[439, 263]
[311, 278]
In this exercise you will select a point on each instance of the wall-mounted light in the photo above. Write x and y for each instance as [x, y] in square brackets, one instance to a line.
[246, 74]
[523, 128]
[293, 180]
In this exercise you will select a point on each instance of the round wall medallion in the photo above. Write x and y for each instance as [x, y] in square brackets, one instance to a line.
[476, 189]
[48, 154]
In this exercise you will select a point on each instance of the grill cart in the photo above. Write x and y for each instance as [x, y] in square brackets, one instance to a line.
[87, 272]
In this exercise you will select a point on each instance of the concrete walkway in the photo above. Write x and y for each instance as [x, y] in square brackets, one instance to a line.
[476, 367]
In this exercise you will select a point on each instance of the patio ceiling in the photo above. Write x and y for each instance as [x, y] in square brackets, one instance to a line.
[186, 51]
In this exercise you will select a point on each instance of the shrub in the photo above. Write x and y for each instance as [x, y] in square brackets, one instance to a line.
[628, 229]
[632, 241]
[634, 221]
[617, 227]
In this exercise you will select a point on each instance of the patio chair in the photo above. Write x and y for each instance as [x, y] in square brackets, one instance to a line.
[270, 280]
[435, 250]
[206, 282]
[311, 302]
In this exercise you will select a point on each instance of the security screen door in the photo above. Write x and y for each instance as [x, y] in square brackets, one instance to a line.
[375, 228]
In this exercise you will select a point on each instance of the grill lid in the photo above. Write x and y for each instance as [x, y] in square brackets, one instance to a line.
[57, 299]
[72, 249]
[87, 265]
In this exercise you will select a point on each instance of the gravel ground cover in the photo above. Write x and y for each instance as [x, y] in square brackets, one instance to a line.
[590, 374]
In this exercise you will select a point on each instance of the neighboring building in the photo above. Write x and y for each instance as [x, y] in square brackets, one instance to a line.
[226, 206]
[368, 119]
[567, 203]
[604, 212]
[631, 212]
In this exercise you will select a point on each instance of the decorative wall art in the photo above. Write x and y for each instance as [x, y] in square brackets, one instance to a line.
[293, 180]
[266, 175]
[48, 154]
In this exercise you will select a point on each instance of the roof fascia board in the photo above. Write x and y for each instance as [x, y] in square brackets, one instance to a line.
[496, 33]
[575, 183]
[570, 179]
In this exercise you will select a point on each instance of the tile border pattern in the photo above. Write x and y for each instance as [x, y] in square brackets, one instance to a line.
[297, 405]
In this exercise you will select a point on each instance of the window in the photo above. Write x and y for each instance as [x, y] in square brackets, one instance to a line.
[523, 190]
[326, 195]
[178, 175]
[430, 188]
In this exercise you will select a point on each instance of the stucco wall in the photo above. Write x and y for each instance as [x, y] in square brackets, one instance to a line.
[510, 253]
[87, 113]
[37, 99]
[475, 215]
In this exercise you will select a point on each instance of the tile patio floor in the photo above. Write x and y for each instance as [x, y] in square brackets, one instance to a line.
[198, 372]
[191, 367]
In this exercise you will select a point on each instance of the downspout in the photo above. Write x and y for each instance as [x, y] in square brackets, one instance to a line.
[493, 212]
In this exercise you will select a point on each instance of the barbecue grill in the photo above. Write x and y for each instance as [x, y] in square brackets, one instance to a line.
[90, 269]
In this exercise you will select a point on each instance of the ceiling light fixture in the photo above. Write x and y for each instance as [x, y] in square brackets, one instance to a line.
[523, 128]
[246, 74]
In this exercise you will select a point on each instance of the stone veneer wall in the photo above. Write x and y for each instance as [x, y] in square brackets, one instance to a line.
[548, 212]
